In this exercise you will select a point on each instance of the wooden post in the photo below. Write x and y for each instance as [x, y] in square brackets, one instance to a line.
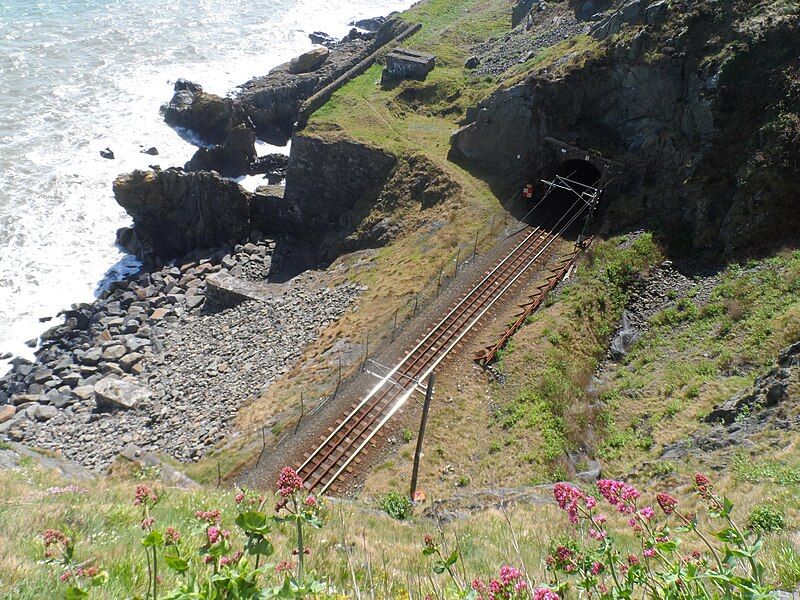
[422, 423]
[416, 302]
[394, 326]
[475, 248]
[302, 413]
[366, 354]
[439, 283]
[458, 259]
[491, 227]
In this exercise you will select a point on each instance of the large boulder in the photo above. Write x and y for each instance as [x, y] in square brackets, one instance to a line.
[210, 116]
[233, 158]
[176, 212]
[113, 394]
[309, 61]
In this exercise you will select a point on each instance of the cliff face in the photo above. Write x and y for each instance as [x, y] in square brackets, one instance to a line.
[683, 99]
[333, 183]
[175, 212]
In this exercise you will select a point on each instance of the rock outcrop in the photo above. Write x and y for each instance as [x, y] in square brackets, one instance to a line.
[234, 157]
[309, 61]
[688, 102]
[333, 183]
[176, 212]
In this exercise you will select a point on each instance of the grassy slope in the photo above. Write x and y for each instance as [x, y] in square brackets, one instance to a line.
[384, 555]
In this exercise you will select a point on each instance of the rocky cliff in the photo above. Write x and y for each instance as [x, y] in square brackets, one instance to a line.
[696, 100]
[176, 212]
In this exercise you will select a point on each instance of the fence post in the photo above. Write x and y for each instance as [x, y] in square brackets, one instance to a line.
[491, 227]
[416, 302]
[439, 283]
[422, 423]
[394, 326]
[366, 354]
[458, 258]
[302, 413]
[475, 248]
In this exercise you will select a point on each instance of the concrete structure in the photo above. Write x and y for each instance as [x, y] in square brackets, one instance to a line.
[407, 64]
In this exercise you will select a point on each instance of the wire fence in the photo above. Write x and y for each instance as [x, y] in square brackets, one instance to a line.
[377, 338]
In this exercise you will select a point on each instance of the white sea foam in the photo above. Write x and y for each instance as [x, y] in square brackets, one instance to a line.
[79, 76]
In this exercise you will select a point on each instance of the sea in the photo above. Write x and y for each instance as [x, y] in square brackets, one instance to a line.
[79, 76]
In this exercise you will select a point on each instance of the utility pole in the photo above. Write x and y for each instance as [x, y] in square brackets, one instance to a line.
[423, 422]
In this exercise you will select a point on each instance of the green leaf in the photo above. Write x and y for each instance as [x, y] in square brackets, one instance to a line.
[428, 550]
[451, 560]
[154, 538]
[262, 548]
[176, 563]
[439, 567]
[253, 522]
[75, 593]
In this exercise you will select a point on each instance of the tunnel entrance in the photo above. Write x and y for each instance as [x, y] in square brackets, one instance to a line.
[568, 199]
[576, 175]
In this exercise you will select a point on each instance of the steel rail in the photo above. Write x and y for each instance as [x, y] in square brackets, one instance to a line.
[380, 384]
[387, 395]
[428, 343]
[432, 366]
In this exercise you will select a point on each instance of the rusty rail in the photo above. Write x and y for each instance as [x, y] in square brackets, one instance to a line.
[489, 353]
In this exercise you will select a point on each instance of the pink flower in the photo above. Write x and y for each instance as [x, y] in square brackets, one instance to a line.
[208, 559]
[596, 568]
[597, 534]
[633, 559]
[148, 522]
[703, 485]
[509, 574]
[569, 498]
[54, 536]
[210, 516]
[143, 495]
[544, 594]
[214, 535]
[289, 482]
[238, 498]
[619, 494]
[666, 502]
[649, 553]
[284, 566]
[647, 513]
[171, 536]
[310, 501]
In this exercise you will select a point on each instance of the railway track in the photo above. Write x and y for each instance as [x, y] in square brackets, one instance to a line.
[336, 452]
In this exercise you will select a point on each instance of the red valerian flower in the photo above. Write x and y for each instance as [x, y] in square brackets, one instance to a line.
[212, 517]
[54, 536]
[144, 494]
[544, 594]
[171, 536]
[666, 502]
[703, 485]
[239, 498]
[289, 482]
[283, 566]
[569, 498]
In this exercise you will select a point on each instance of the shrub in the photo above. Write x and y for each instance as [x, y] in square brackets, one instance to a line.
[397, 506]
[766, 519]
[408, 435]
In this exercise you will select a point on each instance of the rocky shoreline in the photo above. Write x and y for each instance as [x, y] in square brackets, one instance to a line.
[164, 359]
[154, 362]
